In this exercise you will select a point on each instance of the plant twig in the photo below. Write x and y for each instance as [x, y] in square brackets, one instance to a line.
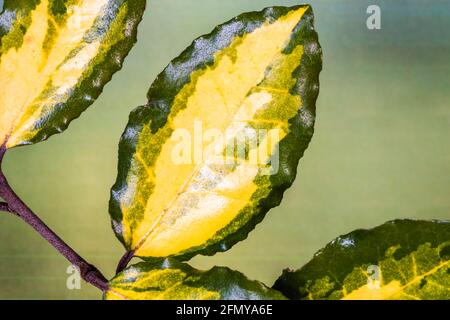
[16, 206]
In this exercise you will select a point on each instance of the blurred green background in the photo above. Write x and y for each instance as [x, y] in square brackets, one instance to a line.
[381, 149]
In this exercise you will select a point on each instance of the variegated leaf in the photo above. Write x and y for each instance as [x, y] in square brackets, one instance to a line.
[172, 280]
[220, 138]
[55, 58]
[401, 259]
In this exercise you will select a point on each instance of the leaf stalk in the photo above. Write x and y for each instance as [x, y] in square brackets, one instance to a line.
[123, 263]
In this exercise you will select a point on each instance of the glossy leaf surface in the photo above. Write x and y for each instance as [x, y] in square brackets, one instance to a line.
[185, 184]
[402, 259]
[55, 58]
[172, 280]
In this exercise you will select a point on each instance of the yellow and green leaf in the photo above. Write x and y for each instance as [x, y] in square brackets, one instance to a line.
[256, 74]
[172, 280]
[55, 58]
[401, 259]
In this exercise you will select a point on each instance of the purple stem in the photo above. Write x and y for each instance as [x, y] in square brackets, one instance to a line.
[124, 261]
[16, 206]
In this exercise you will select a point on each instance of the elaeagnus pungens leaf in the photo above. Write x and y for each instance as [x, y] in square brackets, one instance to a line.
[172, 280]
[55, 58]
[402, 259]
[220, 138]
